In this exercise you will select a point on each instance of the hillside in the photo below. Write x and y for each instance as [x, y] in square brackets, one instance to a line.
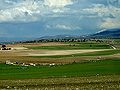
[108, 33]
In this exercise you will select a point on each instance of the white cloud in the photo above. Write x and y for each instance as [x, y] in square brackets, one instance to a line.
[57, 3]
[63, 27]
[31, 10]
[110, 23]
[66, 27]
[110, 15]
[98, 10]
[35, 10]
[20, 12]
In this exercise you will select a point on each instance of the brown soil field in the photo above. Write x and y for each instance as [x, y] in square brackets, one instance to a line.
[37, 44]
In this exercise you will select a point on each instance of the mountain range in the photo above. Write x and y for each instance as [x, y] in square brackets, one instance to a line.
[107, 33]
[60, 37]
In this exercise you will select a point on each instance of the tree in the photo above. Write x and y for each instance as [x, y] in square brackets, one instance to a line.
[3, 46]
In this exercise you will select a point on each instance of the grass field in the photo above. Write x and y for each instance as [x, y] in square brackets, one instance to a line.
[91, 68]
[72, 46]
[102, 74]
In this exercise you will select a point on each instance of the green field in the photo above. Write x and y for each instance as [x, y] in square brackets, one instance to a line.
[89, 68]
[72, 46]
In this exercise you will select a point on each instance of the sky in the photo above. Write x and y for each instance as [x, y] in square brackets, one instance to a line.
[37, 18]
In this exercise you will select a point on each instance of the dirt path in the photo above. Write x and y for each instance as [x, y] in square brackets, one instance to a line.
[114, 47]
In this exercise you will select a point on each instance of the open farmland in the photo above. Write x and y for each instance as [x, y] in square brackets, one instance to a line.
[60, 53]
[35, 52]
[100, 67]
[102, 74]
[53, 65]
[72, 46]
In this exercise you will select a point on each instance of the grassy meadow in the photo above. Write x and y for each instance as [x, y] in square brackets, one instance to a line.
[74, 46]
[89, 68]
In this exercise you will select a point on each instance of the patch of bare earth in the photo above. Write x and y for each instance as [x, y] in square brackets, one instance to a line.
[38, 44]
[57, 52]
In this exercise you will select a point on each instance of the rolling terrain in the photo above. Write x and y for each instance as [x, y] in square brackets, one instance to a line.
[53, 65]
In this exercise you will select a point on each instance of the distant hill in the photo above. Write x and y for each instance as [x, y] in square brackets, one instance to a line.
[7, 39]
[59, 37]
[108, 33]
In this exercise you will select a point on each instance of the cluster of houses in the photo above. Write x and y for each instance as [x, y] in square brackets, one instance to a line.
[4, 47]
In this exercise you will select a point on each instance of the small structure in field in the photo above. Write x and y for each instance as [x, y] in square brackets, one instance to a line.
[4, 47]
